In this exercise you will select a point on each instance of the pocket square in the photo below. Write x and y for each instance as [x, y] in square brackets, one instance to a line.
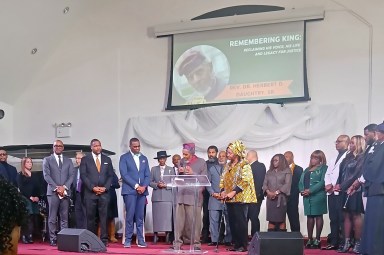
[143, 161]
[105, 163]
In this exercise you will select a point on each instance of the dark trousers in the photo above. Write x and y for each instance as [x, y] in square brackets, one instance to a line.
[205, 229]
[253, 216]
[335, 217]
[100, 205]
[237, 214]
[80, 212]
[293, 212]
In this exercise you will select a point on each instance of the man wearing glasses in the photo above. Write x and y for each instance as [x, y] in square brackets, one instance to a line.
[7, 171]
[334, 200]
[58, 172]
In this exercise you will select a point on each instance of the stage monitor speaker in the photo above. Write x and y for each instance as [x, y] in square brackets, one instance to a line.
[79, 240]
[276, 243]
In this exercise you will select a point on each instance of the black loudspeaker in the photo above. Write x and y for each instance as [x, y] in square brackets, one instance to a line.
[276, 243]
[79, 240]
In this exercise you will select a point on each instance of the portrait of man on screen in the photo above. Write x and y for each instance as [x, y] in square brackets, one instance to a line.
[198, 82]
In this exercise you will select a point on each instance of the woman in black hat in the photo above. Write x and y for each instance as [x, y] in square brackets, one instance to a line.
[161, 197]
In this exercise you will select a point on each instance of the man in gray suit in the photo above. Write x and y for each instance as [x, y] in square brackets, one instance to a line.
[161, 197]
[189, 165]
[215, 204]
[58, 172]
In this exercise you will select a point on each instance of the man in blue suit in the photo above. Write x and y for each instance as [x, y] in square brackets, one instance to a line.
[134, 170]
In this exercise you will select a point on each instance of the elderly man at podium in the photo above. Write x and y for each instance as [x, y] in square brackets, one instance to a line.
[190, 164]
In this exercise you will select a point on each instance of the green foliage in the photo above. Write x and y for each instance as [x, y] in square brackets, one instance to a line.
[12, 212]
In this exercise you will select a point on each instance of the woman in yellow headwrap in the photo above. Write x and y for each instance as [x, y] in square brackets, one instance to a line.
[238, 191]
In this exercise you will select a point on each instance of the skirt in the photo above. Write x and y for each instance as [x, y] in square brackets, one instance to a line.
[354, 203]
[274, 213]
[162, 216]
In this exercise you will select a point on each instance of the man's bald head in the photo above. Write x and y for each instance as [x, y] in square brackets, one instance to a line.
[252, 156]
[289, 157]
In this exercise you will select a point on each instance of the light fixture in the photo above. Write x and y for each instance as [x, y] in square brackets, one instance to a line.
[33, 51]
[1, 114]
[239, 21]
[66, 10]
[63, 129]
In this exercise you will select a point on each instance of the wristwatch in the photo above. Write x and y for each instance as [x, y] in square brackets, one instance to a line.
[277, 192]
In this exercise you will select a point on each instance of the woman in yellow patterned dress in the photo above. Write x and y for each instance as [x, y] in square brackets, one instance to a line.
[238, 191]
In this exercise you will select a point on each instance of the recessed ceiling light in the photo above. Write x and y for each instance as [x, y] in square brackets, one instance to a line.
[33, 51]
[66, 10]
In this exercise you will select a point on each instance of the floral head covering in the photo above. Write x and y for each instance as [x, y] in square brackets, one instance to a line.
[238, 148]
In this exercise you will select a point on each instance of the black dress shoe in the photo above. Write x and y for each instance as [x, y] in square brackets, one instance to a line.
[167, 238]
[30, 239]
[24, 240]
[212, 244]
[155, 239]
[53, 243]
[330, 247]
[228, 244]
[242, 249]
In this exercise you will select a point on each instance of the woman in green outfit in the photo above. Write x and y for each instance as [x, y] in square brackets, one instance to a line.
[311, 186]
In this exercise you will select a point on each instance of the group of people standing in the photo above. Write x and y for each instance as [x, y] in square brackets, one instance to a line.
[238, 185]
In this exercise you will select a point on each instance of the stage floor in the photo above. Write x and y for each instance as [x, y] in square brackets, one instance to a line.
[45, 249]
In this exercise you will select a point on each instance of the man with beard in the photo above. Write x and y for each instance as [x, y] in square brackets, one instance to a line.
[7, 171]
[199, 72]
[215, 205]
[212, 160]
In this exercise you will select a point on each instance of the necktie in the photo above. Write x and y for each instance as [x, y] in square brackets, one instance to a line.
[98, 164]
[60, 162]
[79, 183]
[292, 167]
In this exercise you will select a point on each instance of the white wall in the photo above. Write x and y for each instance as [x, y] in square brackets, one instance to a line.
[107, 67]
[6, 124]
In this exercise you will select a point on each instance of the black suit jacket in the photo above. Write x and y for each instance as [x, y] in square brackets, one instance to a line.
[258, 172]
[9, 173]
[297, 171]
[91, 178]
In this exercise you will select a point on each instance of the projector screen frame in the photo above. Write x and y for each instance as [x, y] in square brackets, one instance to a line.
[304, 15]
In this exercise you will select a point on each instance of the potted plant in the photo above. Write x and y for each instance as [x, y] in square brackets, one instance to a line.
[12, 215]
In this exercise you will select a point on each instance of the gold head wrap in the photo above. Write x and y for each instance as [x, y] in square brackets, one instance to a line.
[238, 148]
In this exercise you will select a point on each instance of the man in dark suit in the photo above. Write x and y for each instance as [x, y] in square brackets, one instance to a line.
[58, 172]
[134, 170]
[293, 200]
[258, 172]
[96, 173]
[215, 206]
[78, 195]
[7, 171]
[212, 160]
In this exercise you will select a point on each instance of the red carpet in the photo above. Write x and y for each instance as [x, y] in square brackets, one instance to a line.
[45, 249]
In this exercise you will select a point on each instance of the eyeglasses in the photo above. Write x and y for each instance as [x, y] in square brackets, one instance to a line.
[3, 154]
[58, 146]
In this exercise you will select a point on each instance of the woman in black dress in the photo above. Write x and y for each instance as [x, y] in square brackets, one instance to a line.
[28, 183]
[351, 168]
